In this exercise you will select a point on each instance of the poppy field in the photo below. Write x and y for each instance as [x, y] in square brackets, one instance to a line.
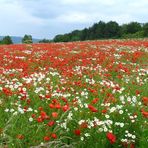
[91, 94]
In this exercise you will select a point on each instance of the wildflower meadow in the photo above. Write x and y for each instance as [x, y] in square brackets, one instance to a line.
[91, 94]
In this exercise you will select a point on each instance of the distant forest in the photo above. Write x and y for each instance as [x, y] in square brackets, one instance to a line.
[102, 30]
[98, 31]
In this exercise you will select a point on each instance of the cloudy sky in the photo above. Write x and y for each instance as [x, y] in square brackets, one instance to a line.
[47, 18]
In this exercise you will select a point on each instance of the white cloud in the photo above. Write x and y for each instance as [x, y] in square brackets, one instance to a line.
[44, 18]
[74, 17]
[15, 13]
[16, 21]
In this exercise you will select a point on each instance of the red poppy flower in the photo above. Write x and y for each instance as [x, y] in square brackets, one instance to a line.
[33, 115]
[145, 101]
[64, 99]
[40, 108]
[54, 114]
[43, 115]
[104, 111]
[84, 125]
[53, 135]
[111, 137]
[95, 100]
[57, 106]
[7, 91]
[65, 108]
[132, 145]
[51, 123]
[20, 136]
[144, 113]
[92, 108]
[46, 138]
[28, 101]
[39, 119]
[51, 105]
[47, 96]
[77, 132]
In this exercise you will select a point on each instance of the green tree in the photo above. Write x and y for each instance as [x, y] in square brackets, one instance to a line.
[45, 41]
[75, 35]
[132, 27]
[7, 40]
[27, 39]
[112, 30]
[100, 30]
[62, 38]
[85, 34]
[145, 29]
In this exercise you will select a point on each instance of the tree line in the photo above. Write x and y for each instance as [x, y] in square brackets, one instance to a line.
[109, 30]
[100, 30]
